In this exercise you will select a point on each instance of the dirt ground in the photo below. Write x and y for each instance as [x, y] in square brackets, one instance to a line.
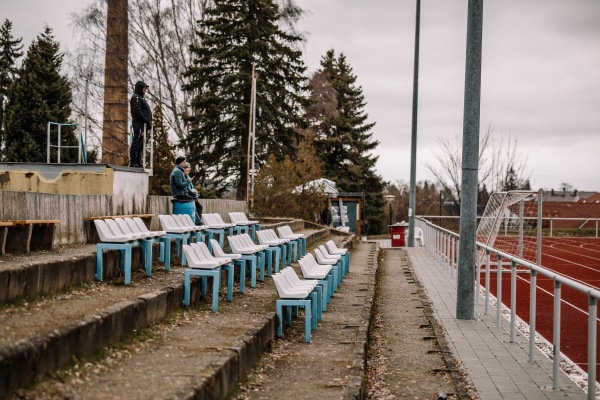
[408, 357]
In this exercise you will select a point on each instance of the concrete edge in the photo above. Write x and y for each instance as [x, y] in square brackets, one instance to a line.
[236, 363]
[23, 362]
[37, 278]
[356, 386]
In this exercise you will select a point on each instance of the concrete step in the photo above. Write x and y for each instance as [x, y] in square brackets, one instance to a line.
[42, 335]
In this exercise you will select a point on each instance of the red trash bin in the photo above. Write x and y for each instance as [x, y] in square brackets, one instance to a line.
[398, 234]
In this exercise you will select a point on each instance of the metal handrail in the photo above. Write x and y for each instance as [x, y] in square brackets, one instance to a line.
[441, 243]
[59, 146]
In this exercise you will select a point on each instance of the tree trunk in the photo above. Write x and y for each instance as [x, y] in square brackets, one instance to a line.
[114, 133]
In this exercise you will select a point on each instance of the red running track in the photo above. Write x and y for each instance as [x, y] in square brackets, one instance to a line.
[576, 258]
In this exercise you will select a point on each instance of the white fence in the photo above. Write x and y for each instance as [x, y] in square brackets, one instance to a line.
[443, 245]
[73, 210]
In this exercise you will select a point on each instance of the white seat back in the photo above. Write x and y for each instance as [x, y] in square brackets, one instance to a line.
[194, 261]
[106, 235]
[168, 224]
[126, 229]
[327, 254]
[321, 259]
[220, 253]
[333, 249]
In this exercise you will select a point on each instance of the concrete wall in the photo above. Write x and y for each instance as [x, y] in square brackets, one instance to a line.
[73, 179]
[74, 209]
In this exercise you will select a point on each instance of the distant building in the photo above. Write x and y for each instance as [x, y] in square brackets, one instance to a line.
[593, 199]
[566, 196]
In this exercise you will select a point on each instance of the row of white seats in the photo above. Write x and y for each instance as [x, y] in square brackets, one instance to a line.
[322, 276]
[124, 233]
[244, 253]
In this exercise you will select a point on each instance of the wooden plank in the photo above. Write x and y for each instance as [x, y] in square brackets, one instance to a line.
[143, 216]
[36, 222]
[3, 236]
[6, 223]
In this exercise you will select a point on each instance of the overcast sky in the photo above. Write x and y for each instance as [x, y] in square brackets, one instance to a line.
[540, 74]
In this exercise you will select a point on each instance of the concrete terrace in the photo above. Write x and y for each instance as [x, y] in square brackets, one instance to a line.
[203, 355]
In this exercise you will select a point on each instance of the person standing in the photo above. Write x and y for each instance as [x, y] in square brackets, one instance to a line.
[178, 180]
[192, 192]
[141, 116]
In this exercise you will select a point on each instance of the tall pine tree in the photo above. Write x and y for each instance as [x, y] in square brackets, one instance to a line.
[40, 94]
[344, 138]
[236, 34]
[10, 51]
[163, 157]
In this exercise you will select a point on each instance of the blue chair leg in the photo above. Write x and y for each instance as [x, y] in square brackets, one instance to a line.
[277, 258]
[230, 277]
[261, 264]
[147, 255]
[294, 247]
[209, 235]
[269, 254]
[204, 285]
[307, 322]
[314, 304]
[99, 264]
[165, 248]
[279, 310]
[319, 301]
[186, 288]
[325, 292]
[288, 315]
[283, 256]
[252, 266]
[242, 263]
[216, 284]
[126, 254]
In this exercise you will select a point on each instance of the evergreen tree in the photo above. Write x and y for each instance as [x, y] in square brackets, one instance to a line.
[10, 51]
[513, 182]
[236, 34]
[164, 156]
[344, 137]
[40, 94]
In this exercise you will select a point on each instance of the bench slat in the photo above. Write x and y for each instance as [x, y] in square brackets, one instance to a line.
[36, 222]
[143, 216]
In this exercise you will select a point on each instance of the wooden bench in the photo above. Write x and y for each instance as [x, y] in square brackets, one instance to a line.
[27, 235]
[142, 216]
[93, 234]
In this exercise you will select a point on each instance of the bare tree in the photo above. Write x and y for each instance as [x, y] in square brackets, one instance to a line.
[160, 35]
[498, 159]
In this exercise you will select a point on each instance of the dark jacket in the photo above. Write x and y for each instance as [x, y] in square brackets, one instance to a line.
[140, 110]
[179, 184]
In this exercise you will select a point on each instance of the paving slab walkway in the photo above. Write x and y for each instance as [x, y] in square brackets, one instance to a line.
[498, 368]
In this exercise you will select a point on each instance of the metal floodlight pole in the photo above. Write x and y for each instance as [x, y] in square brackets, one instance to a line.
[249, 140]
[540, 199]
[85, 111]
[465, 293]
[253, 135]
[412, 198]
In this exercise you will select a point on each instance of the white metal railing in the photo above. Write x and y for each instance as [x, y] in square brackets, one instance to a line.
[443, 245]
[594, 223]
[80, 144]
